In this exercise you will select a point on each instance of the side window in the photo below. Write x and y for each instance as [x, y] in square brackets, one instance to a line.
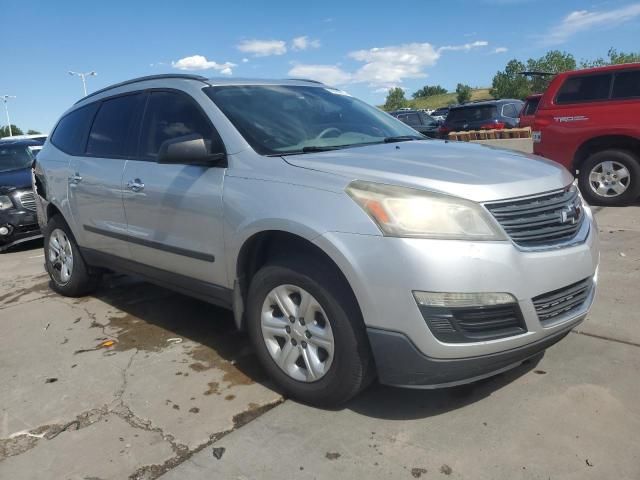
[626, 85]
[412, 119]
[531, 106]
[584, 89]
[509, 110]
[71, 131]
[113, 127]
[169, 115]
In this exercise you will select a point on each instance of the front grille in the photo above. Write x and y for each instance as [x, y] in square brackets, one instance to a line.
[541, 221]
[564, 300]
[471, 324]
[28, 200]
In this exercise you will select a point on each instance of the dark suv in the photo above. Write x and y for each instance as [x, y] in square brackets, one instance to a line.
[484, 115]
[419, 121]
[18, 221]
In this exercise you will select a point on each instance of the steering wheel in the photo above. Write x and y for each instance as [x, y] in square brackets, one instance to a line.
[324, 132]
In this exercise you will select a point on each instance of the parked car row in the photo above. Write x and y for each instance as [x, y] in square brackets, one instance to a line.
[586, 120]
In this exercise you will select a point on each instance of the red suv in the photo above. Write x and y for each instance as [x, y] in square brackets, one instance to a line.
[589, 121]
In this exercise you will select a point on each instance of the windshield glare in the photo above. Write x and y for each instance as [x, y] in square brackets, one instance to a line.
[283, 119]
[14, 157]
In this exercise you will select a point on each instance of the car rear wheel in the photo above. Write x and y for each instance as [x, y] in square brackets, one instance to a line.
[610, 177]
[308, 332]
[69, 274]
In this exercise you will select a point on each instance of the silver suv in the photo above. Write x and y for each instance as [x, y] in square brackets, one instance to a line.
[347, 245]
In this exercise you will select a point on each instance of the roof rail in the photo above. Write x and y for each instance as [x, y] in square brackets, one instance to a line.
[148, 77]
[306, 80]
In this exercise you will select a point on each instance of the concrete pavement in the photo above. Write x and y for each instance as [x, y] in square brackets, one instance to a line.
[138, 382]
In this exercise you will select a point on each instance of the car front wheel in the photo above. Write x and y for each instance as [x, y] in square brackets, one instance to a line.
[308, 332]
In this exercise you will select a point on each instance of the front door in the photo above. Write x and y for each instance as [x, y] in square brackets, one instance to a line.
[174, 212]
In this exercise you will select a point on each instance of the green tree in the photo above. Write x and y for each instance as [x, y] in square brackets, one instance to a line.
[4, 131]
[509, 83]
[614, 58]
[463, 93]
[553, 61]
[429, 91]
[395, 99]
[33, 132]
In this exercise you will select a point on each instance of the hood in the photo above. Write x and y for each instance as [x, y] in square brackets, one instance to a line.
[473, 171]
[15, 179]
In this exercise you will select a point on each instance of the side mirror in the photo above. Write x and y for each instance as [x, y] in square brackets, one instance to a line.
[188, 150]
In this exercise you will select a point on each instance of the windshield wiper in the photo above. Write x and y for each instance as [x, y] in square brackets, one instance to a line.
[400, 138]
[315, 148]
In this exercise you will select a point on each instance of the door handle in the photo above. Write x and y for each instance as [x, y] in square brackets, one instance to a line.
[75, 178]
[135, 185]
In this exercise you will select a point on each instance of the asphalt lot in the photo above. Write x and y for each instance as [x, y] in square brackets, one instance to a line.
[179, 393]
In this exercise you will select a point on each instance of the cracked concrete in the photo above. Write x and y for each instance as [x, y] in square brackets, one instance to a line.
[178, 381]
[71, 407]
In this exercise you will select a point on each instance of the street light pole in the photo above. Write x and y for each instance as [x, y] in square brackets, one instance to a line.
[83, 77]
[5, 99]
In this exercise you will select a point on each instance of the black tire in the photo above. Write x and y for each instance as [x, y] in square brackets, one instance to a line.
[352, 367]
[82, 280]
[622, 157]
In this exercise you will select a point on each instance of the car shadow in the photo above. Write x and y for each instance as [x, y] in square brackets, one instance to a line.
[393, 403]
[166, 314]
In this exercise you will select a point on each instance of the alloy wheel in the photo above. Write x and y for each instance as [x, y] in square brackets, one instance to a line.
[609, 179]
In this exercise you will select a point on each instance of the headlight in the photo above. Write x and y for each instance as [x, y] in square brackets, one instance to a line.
[5, 203]
[406, 212]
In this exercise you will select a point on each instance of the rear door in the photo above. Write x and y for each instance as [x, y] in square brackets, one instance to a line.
[95, 183]
[174, 212]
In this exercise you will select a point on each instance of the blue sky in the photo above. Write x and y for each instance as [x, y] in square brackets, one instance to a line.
[364, 48]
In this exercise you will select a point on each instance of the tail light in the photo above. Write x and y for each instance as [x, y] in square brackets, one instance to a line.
[492, 126]
[443, 130]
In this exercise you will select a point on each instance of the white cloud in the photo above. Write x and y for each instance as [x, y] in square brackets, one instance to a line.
[263, 48]
[200, 62]
[245, 60]
[500, 50]
[584, 20]
[388, 66]
[303, 43]
[329, 74]
[466, 47]
[383, 67]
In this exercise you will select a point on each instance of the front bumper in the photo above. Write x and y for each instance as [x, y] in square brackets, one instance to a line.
[22, 225]
[384, 271]
[401, 364]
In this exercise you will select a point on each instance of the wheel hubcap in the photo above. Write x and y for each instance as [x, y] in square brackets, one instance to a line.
[609, 179]
[60, 256]
[297, 333]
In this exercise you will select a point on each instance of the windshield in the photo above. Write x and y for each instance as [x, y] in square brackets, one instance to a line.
[14, 157]
[283, 119]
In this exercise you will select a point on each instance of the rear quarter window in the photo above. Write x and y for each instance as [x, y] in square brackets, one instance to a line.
[530, 107]
[71, 131]
[586, 88]
[626, 85]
